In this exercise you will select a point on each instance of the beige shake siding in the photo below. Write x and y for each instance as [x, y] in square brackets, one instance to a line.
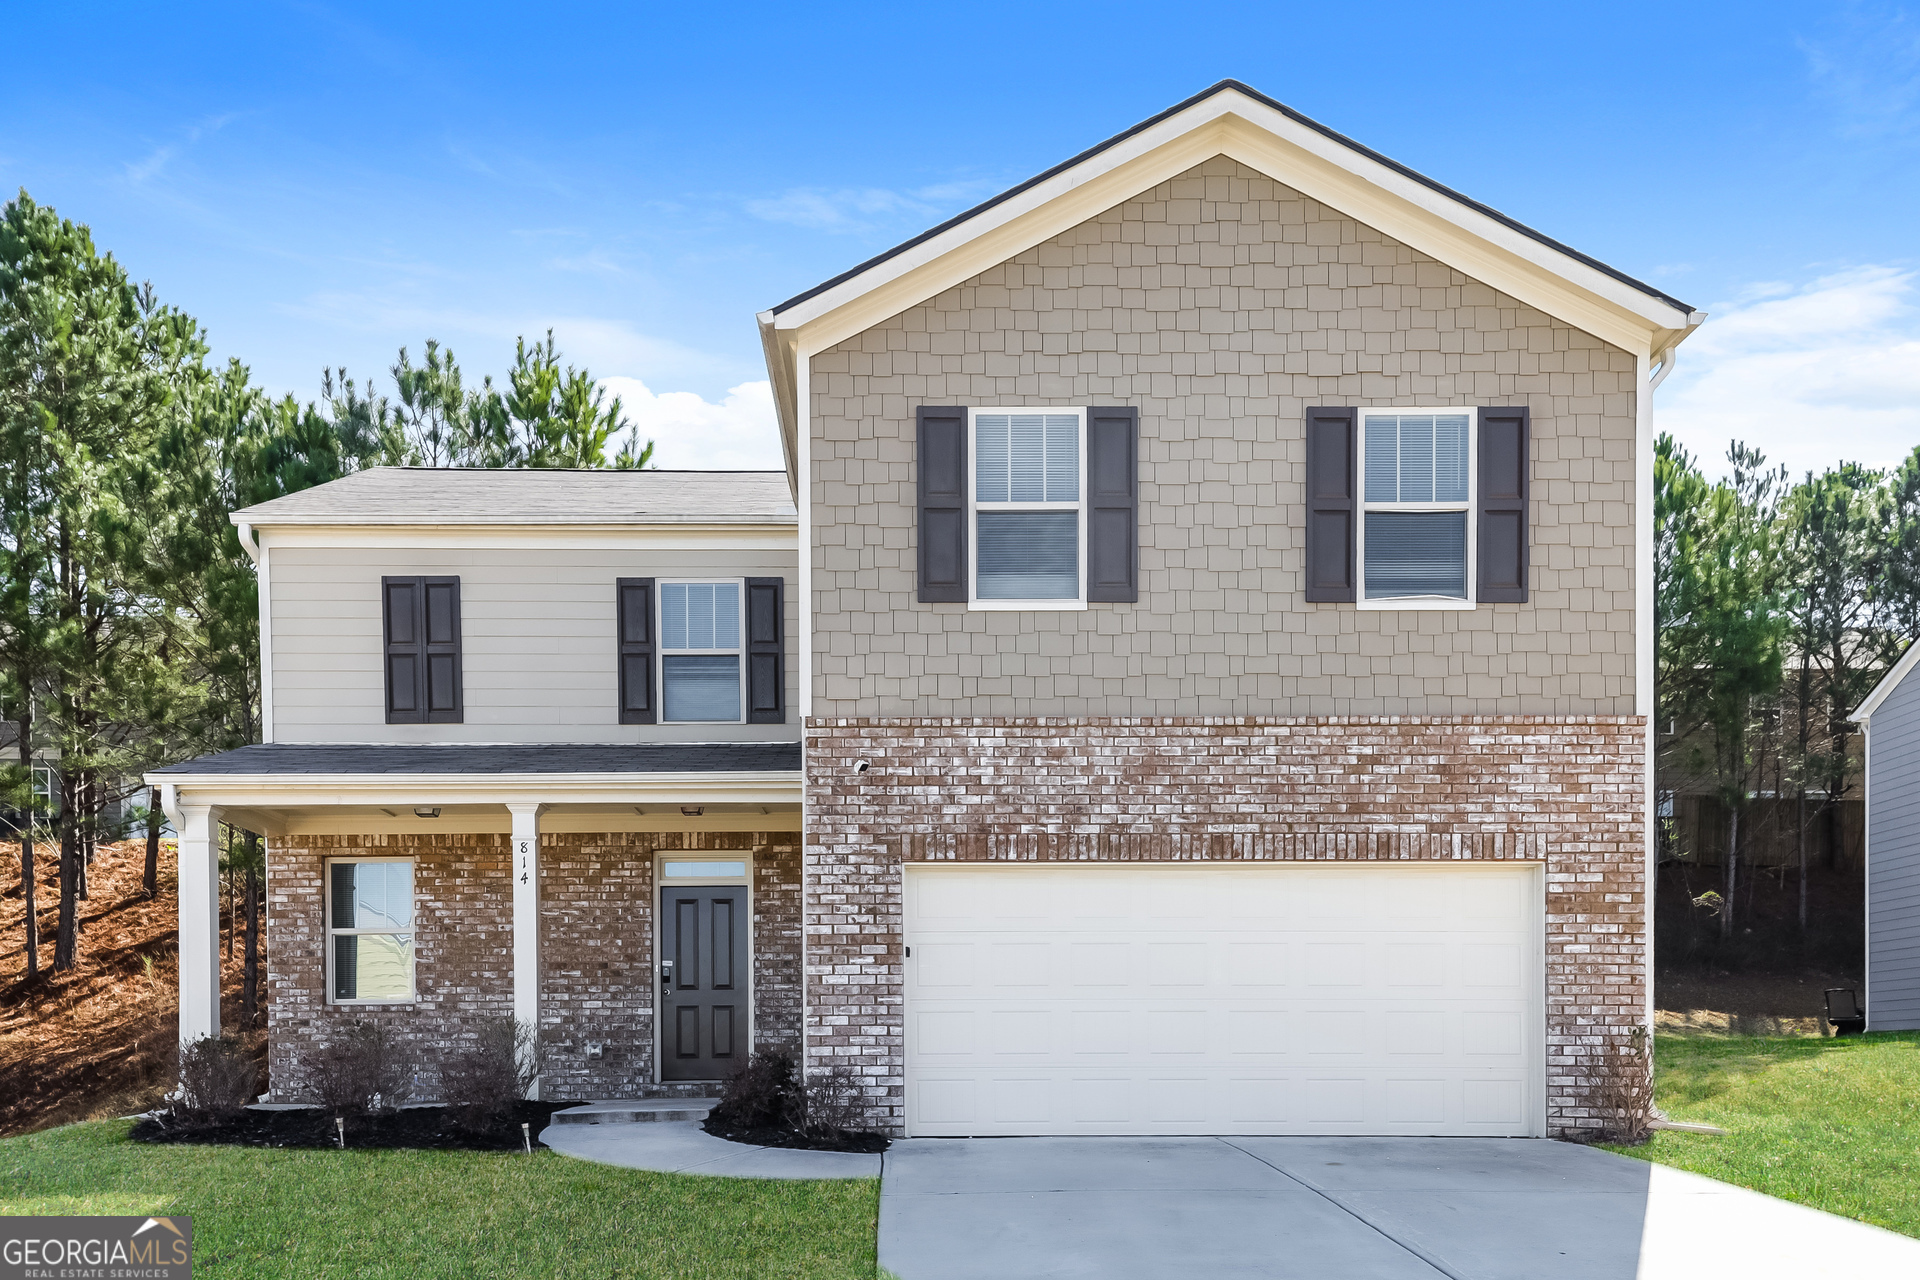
[538, 630]
[1222, 304]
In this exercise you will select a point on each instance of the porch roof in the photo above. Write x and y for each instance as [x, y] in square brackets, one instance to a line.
[347, 759]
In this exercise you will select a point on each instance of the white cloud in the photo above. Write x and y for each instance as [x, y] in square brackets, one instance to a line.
[1811, 376]
[865, 208]
[740, 433]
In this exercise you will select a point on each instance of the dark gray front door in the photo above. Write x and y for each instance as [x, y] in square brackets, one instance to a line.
[703, 981]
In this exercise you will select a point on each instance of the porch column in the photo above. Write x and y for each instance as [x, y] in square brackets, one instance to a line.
[526, 917]
[199, 865]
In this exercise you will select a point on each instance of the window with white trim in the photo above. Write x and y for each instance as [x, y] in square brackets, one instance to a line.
[1028, 518]
[1416, 540]
[369, 930]
[700, 668]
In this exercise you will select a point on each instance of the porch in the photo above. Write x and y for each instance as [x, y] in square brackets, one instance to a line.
[429, 886]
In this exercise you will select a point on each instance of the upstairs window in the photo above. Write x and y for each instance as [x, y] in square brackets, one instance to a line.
[369, 930]
[700, 669]
[1416, 540]
[1029, 520]
[422, 622]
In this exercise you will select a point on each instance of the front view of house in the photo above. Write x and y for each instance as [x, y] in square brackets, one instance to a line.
[1193, 677]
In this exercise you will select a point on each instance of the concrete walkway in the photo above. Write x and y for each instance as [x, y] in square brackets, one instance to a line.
[1355, 1208]
[681, 1146]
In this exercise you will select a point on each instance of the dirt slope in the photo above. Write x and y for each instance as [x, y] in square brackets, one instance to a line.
[100, 1040]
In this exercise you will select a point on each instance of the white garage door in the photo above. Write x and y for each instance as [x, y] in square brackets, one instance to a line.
[1283, 999]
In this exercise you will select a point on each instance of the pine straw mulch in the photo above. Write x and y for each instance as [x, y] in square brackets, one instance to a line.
[99, 1041]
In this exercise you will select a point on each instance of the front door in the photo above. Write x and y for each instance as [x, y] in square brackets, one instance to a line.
[703, 981]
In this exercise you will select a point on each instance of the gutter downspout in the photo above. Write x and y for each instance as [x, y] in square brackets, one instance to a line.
[247, 544]
[1666, 367]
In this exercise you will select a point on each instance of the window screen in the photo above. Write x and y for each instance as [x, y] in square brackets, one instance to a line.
[1415, 490]
[1032, 461]
[700, 651]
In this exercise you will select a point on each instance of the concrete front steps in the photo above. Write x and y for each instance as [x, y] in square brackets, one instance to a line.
[638, 1111]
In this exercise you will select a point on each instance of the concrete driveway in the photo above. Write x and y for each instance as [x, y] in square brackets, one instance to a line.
[1346, 1208]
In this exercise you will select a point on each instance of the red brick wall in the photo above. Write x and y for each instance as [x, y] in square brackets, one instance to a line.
[596, 953]
[1568, 791]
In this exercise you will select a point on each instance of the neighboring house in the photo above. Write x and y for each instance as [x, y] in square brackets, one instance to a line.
[1221, 631]
[1889, 720]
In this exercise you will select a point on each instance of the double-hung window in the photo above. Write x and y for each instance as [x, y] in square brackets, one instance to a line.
[369, 930]
[700, 670]
[1416, 544]
[1028, 518]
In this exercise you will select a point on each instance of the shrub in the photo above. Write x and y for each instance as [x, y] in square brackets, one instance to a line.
[1626, 1092]
[486, 1075]
[763, 1094]
[834, 1102]
[219, 1076]
[365, 1068]
[768, 1093]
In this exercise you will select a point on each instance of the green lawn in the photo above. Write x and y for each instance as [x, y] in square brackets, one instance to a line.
[429, 1213]
[1830, 1123]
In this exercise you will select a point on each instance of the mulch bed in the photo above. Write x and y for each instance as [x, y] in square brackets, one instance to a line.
[866, 1144]
[416, 1128]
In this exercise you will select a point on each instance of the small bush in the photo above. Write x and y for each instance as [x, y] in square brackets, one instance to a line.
[1626, 1092]
[484, 1076]
[219, 1076]
[364, 1069]
[834, 1102]
[763, 1094]
[768, 1093]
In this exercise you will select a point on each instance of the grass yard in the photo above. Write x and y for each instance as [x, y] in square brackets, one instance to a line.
[428, 1213]
[1834, 1124]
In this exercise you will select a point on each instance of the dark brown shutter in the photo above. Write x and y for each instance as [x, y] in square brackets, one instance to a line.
[766, 651]
[1113, 505]
[942, 481]
[441, 597]
[633, 602]
[421, 619]
[1330, 504]
[1502, 497]
[400, 610]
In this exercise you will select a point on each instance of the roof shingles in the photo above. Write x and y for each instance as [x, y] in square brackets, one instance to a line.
[414, 495]
[382, 758]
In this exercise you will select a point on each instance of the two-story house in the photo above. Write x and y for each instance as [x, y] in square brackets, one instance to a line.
[1221, 647]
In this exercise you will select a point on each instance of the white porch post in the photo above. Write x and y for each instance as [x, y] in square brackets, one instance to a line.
[199, 863]
[526, 917]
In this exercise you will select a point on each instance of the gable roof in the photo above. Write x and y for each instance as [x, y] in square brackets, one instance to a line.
[1289, 113]
[1235, 120]
[1888, 683]
[478, 496]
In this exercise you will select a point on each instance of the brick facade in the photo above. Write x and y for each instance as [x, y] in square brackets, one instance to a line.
[1566, 791]
[596, 947]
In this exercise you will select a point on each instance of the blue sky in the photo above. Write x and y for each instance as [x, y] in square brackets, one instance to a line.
[321, 183]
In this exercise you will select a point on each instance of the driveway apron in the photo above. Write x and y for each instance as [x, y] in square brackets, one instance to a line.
[1354, 1208]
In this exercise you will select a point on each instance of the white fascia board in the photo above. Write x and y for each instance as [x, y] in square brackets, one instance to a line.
[781, 365]
[781, 536]
[504, 519]
[1888, 683]
[406, 790]
[1317, 166]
